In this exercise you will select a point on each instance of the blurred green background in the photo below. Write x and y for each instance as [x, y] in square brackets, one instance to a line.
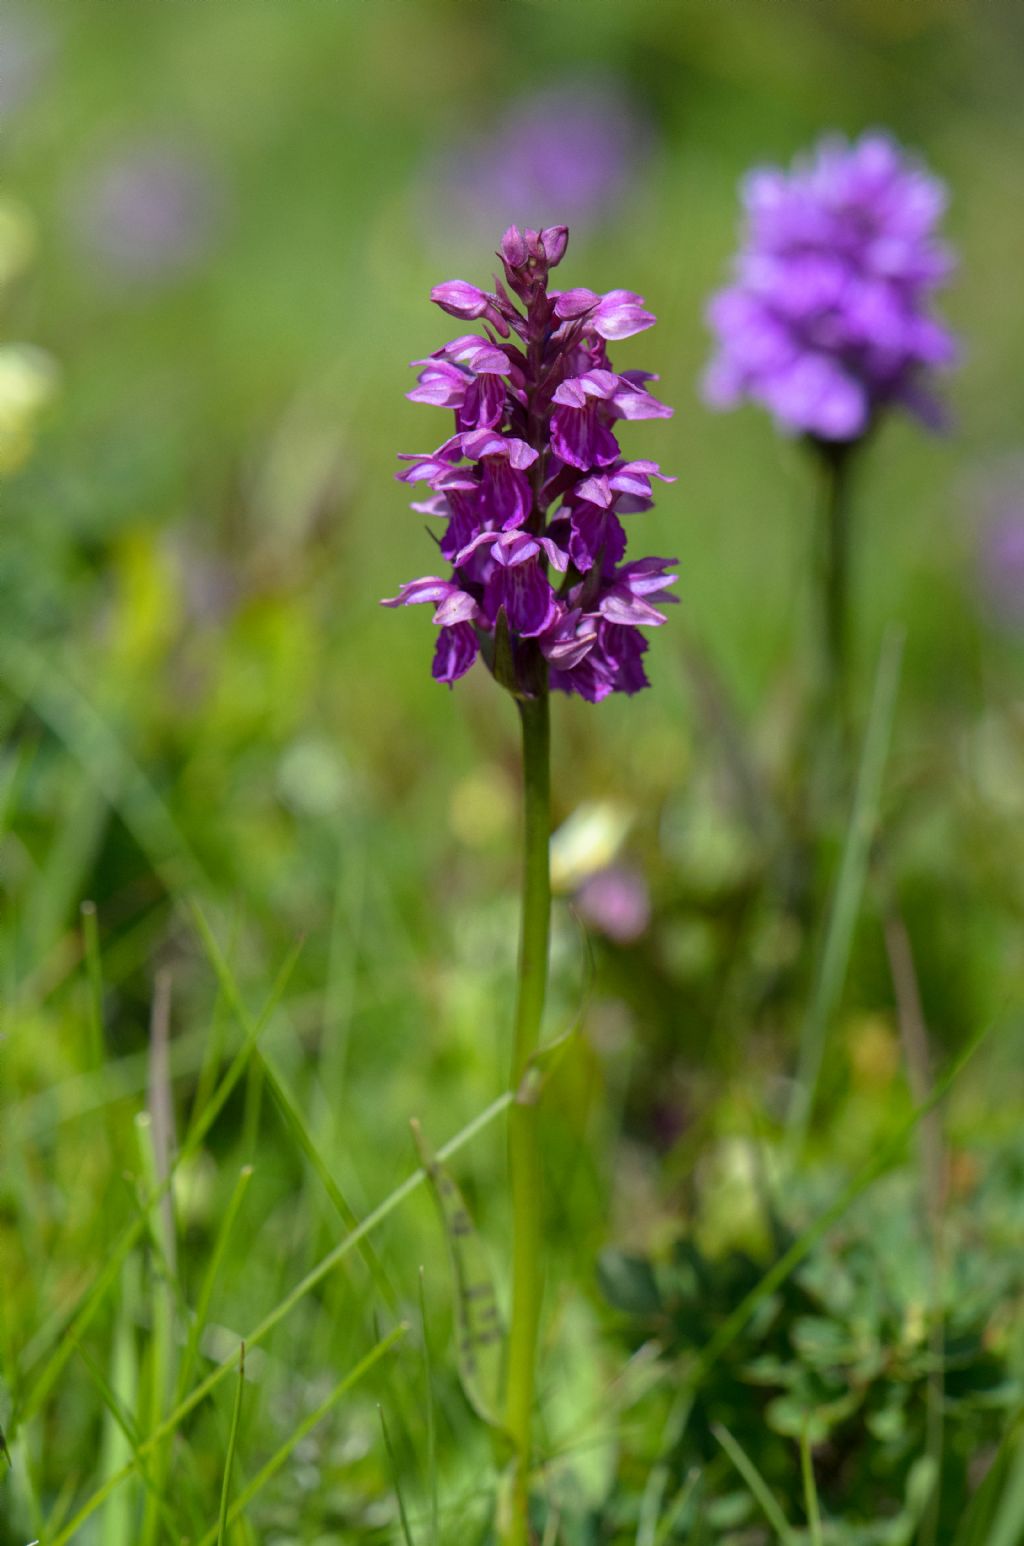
[224, 220]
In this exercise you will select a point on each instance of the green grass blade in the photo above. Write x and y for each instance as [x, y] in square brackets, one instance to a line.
[480, 1335]
[396, 1481]
[810, 1492]
[308, 1423]
[120, 1437]
[995, 1515]
[834, 954]
[290, 1109]
[658, 1480]
[1009, 1524]
[229, 1459]
[118, 1528]
[94, 977]
[160, 1345]
[79, 1316]
[42, 684]
[677, 1508]
[756, 1483]
[428, 1381]
[305, 1286]
[216, 1261]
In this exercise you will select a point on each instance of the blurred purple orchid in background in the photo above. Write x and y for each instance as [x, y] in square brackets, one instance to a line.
[570, 151]
[149, 213]
[537, 405]
[828, 320]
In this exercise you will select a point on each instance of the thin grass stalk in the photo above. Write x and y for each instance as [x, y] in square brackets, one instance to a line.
[305, 1427]
[94, 977]
[428, 1382]
[229, 1459]
[403, 1517]
[810, 1491]
[274, 1317]
[756, 1483]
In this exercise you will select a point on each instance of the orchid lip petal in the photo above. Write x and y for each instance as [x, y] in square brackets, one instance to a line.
[575, 303]
[458, 607]
[630, 611]
[431, 588]
[557, 557]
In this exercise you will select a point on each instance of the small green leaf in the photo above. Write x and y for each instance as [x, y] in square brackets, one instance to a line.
[888, 1424]
[995, 1516]
[479, 1328]
[789, 1416]
[628, 1283]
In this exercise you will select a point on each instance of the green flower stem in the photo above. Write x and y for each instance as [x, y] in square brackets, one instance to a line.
[835, 460]
[524, 1149]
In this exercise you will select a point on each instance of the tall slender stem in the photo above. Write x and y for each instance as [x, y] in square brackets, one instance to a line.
[523, 1143]
[835, 459]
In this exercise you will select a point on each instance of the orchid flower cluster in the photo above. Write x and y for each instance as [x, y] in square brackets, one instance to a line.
[532, 485]
[828, 319]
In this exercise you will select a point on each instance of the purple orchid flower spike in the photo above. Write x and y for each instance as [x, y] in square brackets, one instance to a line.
[532, 483]
[828, 319]
[828, 324]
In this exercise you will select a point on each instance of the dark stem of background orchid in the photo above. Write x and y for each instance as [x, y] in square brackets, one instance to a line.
[835, 462]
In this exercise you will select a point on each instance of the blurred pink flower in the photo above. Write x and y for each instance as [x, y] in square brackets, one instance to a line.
[616, 902]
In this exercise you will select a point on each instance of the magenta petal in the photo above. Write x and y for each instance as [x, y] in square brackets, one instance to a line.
[623, 650]
[513, 247]
[527, 597]
[482, 405]
[575, 303]
[630, 611]
[554, 239]
[455, 652]
[556, 556]
[580, 439]
[636, 403]
[512, 548]
[465, 300]
[458, 607]
[520, 455]
[597, 535]
[596, 491]
[505, 494]
[575, 390]
[620, 315]
[430, 588]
